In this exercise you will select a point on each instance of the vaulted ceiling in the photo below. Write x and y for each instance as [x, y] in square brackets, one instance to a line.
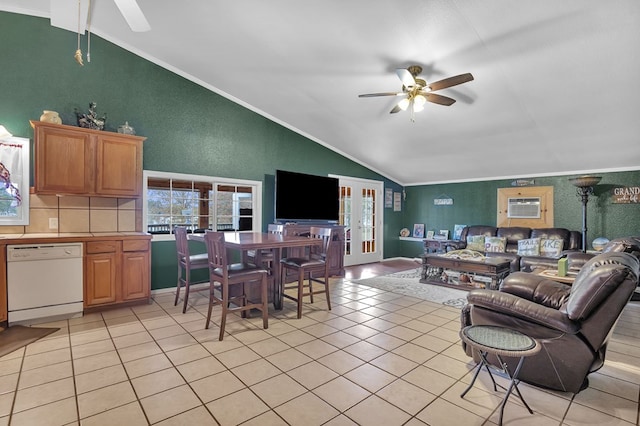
[556, 89]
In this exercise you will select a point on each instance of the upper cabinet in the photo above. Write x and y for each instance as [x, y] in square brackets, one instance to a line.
[74, 160]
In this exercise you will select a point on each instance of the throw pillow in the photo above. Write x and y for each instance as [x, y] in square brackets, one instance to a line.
[475, 242]
[551, 247]
[495, 244]
[529, 247]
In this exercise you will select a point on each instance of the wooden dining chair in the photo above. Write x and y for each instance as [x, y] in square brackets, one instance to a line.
[186, 263]
[265, 256]
[317, 262]
[226, 274]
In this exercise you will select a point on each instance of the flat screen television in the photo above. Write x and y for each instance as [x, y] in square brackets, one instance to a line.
[303, 197]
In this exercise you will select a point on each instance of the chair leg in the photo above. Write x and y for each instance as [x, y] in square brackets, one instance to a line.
[265, 302]
[211, 288]
[178, 285]
[300, 291]
[310, 288]
[326, 290]
[225, 308]
[186, 291]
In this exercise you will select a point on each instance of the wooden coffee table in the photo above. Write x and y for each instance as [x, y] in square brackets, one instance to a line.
[487, 272]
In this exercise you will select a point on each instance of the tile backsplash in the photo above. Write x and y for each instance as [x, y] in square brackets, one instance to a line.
[80, 214]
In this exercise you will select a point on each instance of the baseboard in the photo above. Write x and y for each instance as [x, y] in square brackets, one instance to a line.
[193, 287]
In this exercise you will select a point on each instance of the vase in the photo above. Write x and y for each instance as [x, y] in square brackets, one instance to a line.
[50, 117]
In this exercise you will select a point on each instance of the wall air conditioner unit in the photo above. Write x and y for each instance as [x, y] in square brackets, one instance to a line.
[523, 208]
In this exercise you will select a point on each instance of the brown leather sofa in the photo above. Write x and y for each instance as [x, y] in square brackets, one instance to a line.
[572, 323]
[572, 241]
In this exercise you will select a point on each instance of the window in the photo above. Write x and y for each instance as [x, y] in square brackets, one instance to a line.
[200, 203]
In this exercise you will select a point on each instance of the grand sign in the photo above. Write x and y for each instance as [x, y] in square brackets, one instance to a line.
[626, 195]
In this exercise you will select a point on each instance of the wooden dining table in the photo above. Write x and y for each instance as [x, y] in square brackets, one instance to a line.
[258, 241]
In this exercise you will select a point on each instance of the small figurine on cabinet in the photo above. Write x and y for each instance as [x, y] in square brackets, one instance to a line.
[91, 120]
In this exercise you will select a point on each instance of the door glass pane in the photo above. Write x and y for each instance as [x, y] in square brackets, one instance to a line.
[345, 216]
[368, 220]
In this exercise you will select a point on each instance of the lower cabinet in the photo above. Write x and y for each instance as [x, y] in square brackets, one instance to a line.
[116, 271]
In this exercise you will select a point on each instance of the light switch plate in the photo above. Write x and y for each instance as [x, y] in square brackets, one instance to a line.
[53, 223]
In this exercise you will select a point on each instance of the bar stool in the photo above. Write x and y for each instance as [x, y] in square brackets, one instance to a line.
[186, 263]
[232, 274]
[316, 262]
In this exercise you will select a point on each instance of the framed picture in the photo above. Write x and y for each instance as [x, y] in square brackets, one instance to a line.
[388, 198]
[457, 231]
[443, 234]
[14, 181]
[397, 202]
[418, 230]
[429, 235]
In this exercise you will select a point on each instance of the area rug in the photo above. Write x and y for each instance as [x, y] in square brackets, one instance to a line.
[17, 336]
[408, 283]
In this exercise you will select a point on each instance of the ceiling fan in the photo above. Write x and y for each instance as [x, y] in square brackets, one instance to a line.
[416, 91]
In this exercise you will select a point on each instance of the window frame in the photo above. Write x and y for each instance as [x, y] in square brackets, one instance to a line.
[214, 181]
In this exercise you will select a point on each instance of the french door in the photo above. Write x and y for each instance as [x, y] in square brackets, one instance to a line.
[361, 215]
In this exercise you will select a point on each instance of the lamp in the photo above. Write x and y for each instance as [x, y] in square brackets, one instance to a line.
[4, 133]
[418, 103]
[584, 187]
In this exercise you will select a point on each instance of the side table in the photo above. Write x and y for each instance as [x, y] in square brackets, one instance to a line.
[499, 341]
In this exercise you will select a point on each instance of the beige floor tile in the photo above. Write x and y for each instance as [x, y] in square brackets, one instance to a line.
[95, 362]
[100, 378]
[56, 413]
[198, 416]
[449, 366]
[200, 368]
[441, 412]
[84, 327]
[49, 373]
[340, 339]
[613, 405]
[103, 399]
[365, 350]
[217, 386]
[6, 401]
[93, 348]
[169, 403]
[187, 354]
[8, 383]
[340, 361]
[236, 357]
[394, 364]
[432, 343]
[266, 419]
[312, 375]
[370, 377]
[316, 348]
[614, 386]
[307, 409]
[143, 350]
[94, 335]
[385, 341]
[406, 396]
[176, 342]
[46, 358]
[42, 346]
[341, 393]
[129, 414]
[151, 364]
[255, 371]
[414, 352]
[361, 331]
[237, 407]
[341, 420]
[132, 339]
[43, 394]
[375, 410]
[215, 347]
[278, 390]
[157, 382]
[319, 329]
[429, 380]
[289, 359]
[296, 338]
[168, 331]
[268, 346]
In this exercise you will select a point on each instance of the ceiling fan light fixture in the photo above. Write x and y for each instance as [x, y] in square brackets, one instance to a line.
[420, 100]
[404, 104]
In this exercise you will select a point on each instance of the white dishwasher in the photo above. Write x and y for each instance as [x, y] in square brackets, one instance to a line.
[44, 281]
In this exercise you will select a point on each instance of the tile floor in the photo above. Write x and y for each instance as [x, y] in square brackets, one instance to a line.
[377, 358]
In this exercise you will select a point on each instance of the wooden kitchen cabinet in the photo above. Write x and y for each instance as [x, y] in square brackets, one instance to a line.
[74, 160]
[117, 271]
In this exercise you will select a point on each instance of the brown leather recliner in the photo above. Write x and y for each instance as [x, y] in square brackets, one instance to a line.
[573, 323]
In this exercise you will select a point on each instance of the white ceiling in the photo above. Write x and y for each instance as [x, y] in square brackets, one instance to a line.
[556, 89]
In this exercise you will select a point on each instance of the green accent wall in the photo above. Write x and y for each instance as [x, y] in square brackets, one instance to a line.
[476, 204]
[189, 129]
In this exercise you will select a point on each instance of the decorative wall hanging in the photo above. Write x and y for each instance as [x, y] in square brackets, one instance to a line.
[626, 195]
[14, 181]
[443, 200]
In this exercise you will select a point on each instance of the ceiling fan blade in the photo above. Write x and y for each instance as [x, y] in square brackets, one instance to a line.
[133, 15]
[371, 95]
[405, 76]
[395, 109]
[451, 81]
[439, 99]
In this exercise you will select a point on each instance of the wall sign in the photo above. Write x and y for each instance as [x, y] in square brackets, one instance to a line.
[626, 195]
[443, 201]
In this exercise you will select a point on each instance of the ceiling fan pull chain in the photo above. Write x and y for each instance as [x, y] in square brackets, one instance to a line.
[78, 54]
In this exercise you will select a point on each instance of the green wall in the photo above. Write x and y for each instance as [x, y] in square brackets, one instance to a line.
[189, 129]
[476, 204]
